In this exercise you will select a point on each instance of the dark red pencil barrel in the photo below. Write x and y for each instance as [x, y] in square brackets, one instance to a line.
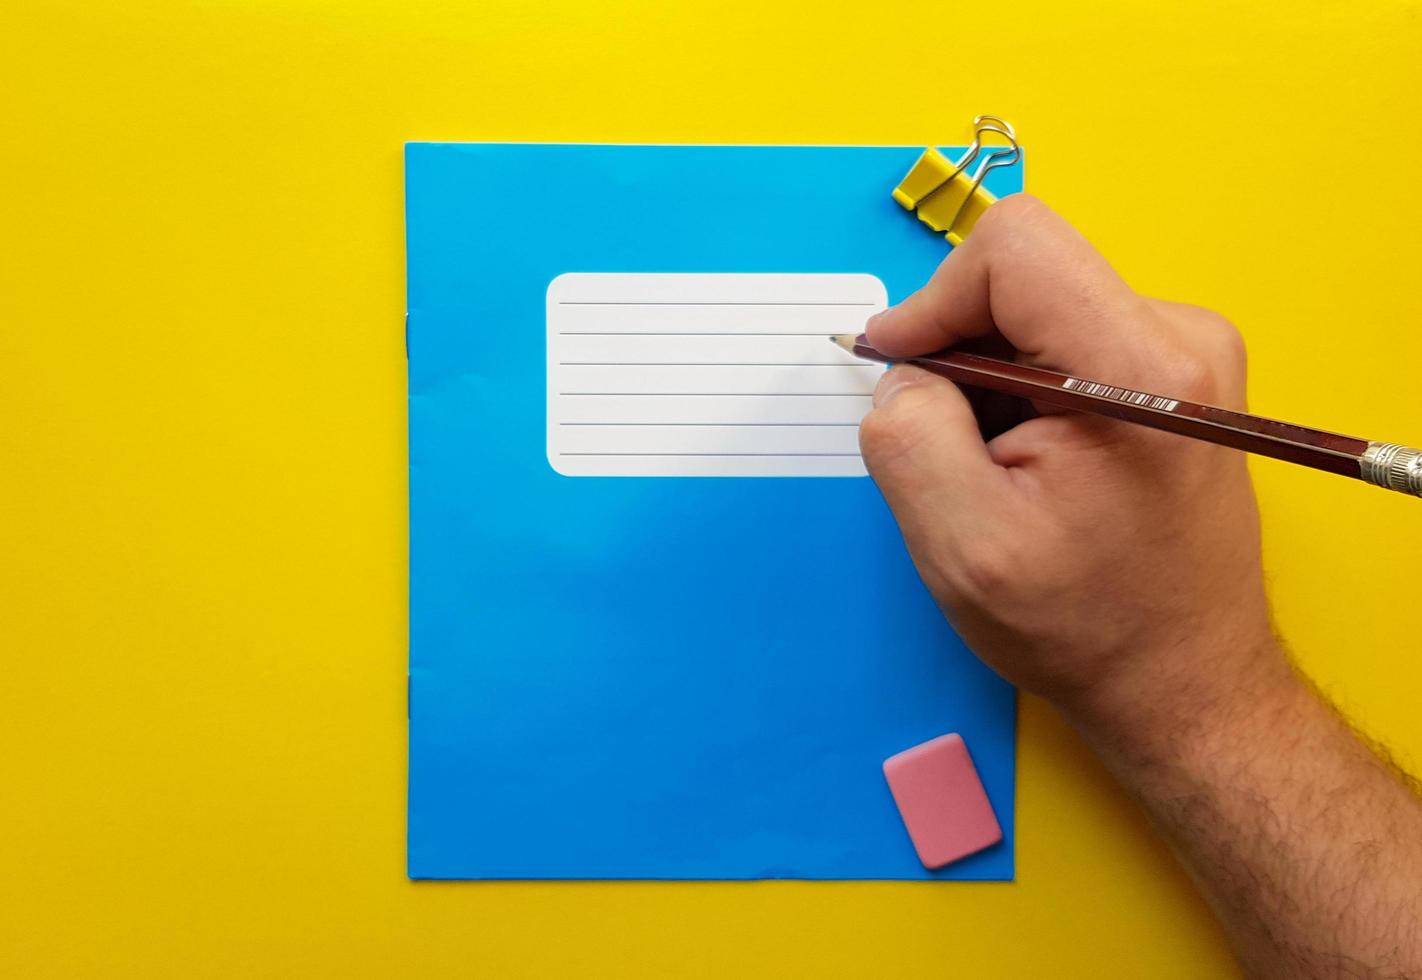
[1317, 448]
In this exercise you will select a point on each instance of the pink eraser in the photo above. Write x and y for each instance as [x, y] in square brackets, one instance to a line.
[941, 799]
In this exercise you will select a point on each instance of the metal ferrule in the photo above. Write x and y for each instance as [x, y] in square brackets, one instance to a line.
[1386, 464]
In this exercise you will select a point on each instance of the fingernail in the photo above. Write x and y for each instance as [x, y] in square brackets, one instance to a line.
[894, 381]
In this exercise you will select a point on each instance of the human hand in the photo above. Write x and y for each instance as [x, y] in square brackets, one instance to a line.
[1101, 564]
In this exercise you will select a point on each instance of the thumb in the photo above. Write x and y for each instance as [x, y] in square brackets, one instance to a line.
[922, 446]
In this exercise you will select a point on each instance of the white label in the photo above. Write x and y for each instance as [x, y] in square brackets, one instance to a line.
[707, 374]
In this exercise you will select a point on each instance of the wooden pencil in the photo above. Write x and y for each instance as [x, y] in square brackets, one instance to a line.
[1382, 464]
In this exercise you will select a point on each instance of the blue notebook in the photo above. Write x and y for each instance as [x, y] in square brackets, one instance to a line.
[661, 624]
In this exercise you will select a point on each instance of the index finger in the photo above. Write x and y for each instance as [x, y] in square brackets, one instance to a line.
[1028, 274]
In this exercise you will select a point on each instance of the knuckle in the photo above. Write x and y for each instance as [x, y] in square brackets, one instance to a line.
[1223, 337]
[1020, 207]
[1216, 359]
[986, 566]
[893, 435]
[888, 435]
[1213, 323]
[1013, 211]
[1194, 377]
[879, 439]
[1232, 349]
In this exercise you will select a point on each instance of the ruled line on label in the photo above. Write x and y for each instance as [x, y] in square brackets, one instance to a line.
[738, 380]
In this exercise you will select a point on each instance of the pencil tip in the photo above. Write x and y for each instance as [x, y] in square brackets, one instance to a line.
[845, 340]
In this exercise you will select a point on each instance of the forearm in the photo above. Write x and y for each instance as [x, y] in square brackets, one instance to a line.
[1308, 845]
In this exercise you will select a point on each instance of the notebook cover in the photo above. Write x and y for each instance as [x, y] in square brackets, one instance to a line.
[657, 677]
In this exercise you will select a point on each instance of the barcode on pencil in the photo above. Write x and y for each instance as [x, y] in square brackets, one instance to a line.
[1120, 394]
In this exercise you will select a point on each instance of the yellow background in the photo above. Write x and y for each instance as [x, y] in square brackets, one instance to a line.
[202, 447]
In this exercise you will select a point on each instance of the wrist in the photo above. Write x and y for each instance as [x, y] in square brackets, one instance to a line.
[1156, 708]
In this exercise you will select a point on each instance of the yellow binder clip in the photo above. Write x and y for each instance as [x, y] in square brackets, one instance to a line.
[943, 194]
